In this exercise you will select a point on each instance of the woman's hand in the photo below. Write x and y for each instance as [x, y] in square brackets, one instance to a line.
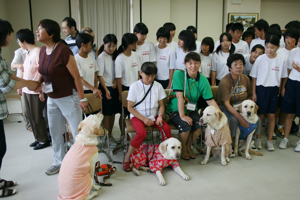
[148, 122]
[187, 120]
[19, 91]
[41, 96]
[97, 93]
[254, 97]
[243, 122]
[107, 94]
[32, 85]
[159, 121]
[83, 105]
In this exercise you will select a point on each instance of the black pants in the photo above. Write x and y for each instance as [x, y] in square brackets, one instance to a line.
[2, 142]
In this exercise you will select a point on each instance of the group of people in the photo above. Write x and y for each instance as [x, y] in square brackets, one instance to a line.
[256, 67]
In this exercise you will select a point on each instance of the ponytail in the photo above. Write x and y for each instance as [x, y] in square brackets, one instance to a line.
[109, 38]
[229, 37]
[127, 39]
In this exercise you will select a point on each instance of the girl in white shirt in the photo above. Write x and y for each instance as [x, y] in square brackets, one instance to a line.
[106, 62]
[165, 59]
[267, 72]
[219, 68]
[186, 44]
[172, 28]
[207, 47]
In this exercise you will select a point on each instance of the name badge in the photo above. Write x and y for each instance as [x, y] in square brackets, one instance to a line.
[48, 88]
[191, 106]
[236, 106]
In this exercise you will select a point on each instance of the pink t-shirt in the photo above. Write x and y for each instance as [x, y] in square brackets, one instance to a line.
[31, 66]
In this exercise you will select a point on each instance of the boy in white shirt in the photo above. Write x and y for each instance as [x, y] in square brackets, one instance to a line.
[260, 27]
[257, 50]
[228, 26]
[87, 65]
[172, 28]
[144, 49]
[236, 32]
[148, 112]
[165, 59]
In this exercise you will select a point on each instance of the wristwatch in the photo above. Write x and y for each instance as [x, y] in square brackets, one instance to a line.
[160, 115]
[83, 100]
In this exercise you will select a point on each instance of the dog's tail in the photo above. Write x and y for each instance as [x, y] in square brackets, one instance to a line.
[255, 152]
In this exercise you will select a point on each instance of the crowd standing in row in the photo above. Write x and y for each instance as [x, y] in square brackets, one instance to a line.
[262, 66]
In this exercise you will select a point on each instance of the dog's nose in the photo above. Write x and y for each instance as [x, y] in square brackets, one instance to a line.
[248, 113]
[177, 155]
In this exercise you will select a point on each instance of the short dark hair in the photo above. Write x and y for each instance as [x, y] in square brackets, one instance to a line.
[259, 46]
[149, 68]
[293, 33]
[228, 26]
[189, 40]
[52, 28]
[251, 28]
[192, 56]
[192, 28]
[25, 35]
[273, 37]
[86, 30]
[234, 57]
[140, 28]
[163, 32]
[247, 34]
[210, 42]
[5, 30]
[229, 37]
[293, 24]
[70, 22]
[83, 38]
[275, 26]
[237, 26]
[262, 25]
[170, 26]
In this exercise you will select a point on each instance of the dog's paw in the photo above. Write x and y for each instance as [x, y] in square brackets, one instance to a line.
[248, 157]
[223, 162]
[185, 177]
[162, 182]
[96, 187]
[227, 159]
[240, 153]
[136, 172]
[203, 162]
[92, 195]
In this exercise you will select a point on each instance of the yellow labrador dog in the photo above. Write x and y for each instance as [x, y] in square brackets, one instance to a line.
[157, 157]
[248, 109]
[217, 134]
[75, 179]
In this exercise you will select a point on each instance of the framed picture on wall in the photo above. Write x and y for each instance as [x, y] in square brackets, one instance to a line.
[247, 19]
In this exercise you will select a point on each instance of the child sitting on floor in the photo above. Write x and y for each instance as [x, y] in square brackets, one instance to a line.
[148, 112]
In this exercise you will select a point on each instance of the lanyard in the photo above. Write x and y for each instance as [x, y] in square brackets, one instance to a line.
[197, 91]
[234, 88]
[147, 115]
[48, 62]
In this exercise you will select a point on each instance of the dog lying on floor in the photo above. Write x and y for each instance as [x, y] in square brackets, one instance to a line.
[248, 109]
[217, 134]
[158, 157]
[75, 179]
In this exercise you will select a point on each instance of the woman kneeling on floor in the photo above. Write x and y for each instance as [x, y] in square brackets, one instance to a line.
[147, 112]
[188, 86]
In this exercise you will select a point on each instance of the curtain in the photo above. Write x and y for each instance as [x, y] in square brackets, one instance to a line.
[104, 17]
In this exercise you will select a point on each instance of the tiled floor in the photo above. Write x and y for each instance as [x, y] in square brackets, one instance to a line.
[272, 176]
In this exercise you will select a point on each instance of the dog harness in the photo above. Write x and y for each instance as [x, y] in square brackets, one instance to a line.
[157, 162]
[246, 131]
[74, 179]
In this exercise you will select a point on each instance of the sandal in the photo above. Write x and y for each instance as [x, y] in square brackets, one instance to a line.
[7, 183]
[126, 166]
[185, 156]
[191, 154]
[7, 192]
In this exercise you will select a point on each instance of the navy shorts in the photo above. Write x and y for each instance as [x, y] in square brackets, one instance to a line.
[267, 99]
[184, 126]
[280, 99]
[125, 88]
[291, 99]
[110, 106]
[163, 83]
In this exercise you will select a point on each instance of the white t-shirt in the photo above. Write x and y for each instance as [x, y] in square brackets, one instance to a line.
[127, 68]
[257, 41]
[173, 45]
[248, 66]
[198, 47]
[19, 58]
[87, 68]
[106, 68]
[241, 47]
[219, 61]
[165, 60]
[294, 56]
[179, 57]
[206, 63]
[268, 72]
[284, 54]
[150, 104]
[217, 44]
[146, 52]
[282, 44]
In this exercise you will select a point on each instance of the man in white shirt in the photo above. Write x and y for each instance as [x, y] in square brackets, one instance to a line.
[236, 32]
[70, 30]
[261, 27]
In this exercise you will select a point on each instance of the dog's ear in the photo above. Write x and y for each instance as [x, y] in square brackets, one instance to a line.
[163, 147]
[220, 115]
[80, 126]
[255, 109]
[240, 108]
[98, 130]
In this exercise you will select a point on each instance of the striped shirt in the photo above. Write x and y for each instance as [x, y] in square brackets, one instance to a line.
[6, 85]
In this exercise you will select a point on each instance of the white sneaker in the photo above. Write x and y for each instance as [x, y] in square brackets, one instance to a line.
[283, 143]
[270, 145]
[258, 143]
[297, 149]
[274, 136]
[253, 147]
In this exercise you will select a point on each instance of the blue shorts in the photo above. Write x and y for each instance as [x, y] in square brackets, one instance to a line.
[267, 99]
[291, 99]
